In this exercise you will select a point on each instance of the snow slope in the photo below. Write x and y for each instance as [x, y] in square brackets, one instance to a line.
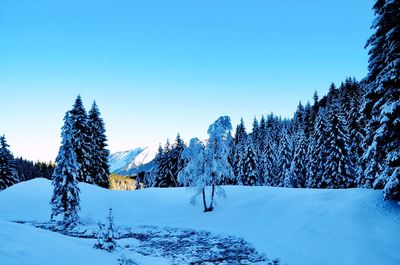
[300, 226]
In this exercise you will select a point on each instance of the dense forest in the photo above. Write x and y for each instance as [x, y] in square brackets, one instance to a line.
[348, 138]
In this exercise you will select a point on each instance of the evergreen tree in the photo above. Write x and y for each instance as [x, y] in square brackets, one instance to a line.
[240, 150]
[81, 141]
[308, 123]
[250, 177]
[165, 172]
[299, 117]
[98, 167]
[262, 160]
[255, 138]
[284, 159]
[151, 175]
[270, 152]
[177, 162]
[338, 168]
[315, 108]
[8, 174]
[297, 177]
[316, 154]
[106, 238]
[383, 99]
[65, 199]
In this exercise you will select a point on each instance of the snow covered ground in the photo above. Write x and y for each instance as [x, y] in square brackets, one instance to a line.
[299, 226]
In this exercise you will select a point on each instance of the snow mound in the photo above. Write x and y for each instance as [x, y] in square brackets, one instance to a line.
[300, 226]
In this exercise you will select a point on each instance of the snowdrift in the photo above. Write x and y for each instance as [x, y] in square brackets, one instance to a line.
[300, 226]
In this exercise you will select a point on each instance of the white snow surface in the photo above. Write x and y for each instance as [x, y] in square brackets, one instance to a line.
[299, 226]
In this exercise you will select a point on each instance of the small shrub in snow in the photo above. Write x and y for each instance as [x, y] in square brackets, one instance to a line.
[126, 261]
[107, 235]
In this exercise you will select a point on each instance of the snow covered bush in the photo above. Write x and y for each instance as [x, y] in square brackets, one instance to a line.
[106, 238]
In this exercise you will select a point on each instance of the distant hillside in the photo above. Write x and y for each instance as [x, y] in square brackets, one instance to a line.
[132, 162]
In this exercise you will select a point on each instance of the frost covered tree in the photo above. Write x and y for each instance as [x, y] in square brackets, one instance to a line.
[177, 162]
[106, 238]
[217, 168]
[208, 166]
[165, 169]
[262, 161]
[285, 159]
[316, 154]
[240, 145]
[8, 173]
[98, 167]
[168, 163]
[338, 168]
[81, 143]
[193, 171]
[383, 99]
[250, 176]
[297, 176]
[151, 175]
[65, 199]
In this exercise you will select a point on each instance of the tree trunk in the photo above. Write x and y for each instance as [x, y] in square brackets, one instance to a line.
[212, 198]
[210, 208]
[204, 200]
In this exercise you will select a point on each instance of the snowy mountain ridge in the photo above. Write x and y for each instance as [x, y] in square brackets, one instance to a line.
[132, 161]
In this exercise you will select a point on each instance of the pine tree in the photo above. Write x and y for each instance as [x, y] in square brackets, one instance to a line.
[240, 150]
[165, 171]
[284, 159]
[151, 175]
[316, 154]
[177, 162]
[308, 123]
[98, 167]
[250, 177]
[65, 199]
[106, 238]
[338, 168]
[8, 174]
[81, 141]
[297, 177]
[299, 117]
[262, 161]
[315, 108]
[383, 99]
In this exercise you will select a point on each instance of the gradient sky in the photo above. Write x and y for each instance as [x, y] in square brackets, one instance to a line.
[157, 68]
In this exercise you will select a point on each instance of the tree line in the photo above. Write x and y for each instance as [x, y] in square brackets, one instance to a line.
[348, 138]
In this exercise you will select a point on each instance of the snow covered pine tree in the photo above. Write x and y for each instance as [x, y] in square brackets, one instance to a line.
[81, 143]
[65, 200]
[107, 235]
[98, 167]
[383, 99]
[8, 174]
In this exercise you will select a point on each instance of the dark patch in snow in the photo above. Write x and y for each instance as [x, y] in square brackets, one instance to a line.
[180, 246]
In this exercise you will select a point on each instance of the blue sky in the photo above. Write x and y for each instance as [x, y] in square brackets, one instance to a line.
[157, 68]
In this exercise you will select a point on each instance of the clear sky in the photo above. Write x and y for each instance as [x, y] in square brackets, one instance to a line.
[157, 68]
